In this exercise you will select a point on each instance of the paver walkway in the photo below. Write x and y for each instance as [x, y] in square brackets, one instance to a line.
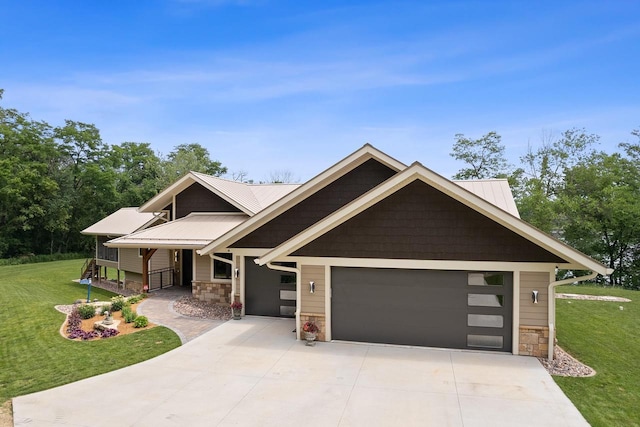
[158, 307]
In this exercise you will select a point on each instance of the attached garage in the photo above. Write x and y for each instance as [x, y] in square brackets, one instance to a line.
[452, 309]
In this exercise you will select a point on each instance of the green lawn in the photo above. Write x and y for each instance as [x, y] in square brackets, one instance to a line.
[33, 355]
[606, 338]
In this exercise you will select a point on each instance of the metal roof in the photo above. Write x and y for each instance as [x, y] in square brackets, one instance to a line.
[122, 222]
[191, 232]
[249, 198]
[495, 191]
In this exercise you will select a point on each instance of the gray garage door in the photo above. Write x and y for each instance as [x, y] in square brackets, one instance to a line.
[452, 309]
[269, 292]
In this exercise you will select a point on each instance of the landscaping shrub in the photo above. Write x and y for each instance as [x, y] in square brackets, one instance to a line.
[128, 314]
[117, 303]
[87, 311]
[74, 324]
[109, 333]
[141, 322]
[134, 299]
[105, 308]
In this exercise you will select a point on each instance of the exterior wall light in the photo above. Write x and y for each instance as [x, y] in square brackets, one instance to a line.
[236, 273]
[312, 287]
[534, 296]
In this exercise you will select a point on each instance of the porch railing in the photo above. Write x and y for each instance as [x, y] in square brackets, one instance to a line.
[161, 279]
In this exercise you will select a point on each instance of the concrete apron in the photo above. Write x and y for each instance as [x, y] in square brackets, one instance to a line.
[253, 372]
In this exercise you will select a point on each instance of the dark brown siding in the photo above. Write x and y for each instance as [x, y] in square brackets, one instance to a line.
[196, 198]
[319, 205]
[420, 222]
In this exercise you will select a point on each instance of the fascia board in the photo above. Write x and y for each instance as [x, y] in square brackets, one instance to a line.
[320, 181]
[417, 171]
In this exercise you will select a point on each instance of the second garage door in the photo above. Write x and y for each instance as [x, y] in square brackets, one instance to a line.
[451, 309]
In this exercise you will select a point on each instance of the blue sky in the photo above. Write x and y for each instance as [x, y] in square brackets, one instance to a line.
[297, 85]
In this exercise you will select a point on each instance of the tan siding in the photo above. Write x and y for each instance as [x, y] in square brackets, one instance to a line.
[313, 302]
[203, 268]
[534, 314]
[161, 259]
[130, 261]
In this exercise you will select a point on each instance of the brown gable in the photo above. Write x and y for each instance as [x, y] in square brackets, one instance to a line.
[197, 198]
[420, 222]
[326, 201]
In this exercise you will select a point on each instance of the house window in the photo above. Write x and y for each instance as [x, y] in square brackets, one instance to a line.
[486, 279]
[485, 300]
[485, 320]
[484, 341]
[222, 270]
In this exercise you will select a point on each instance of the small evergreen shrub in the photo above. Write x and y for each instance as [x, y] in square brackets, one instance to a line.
[87, 311]
[117, 303]
[141, 322]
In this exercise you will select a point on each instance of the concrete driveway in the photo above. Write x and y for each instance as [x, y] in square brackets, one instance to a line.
[252, 372]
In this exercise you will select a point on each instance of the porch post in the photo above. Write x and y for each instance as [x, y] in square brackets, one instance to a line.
[146, 256]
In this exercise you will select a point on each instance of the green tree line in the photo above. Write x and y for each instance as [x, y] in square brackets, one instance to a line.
[569, 189]
[57, 180]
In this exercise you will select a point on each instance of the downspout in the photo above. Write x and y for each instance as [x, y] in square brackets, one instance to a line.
[552, 306]
[233, 276]
[298, 290]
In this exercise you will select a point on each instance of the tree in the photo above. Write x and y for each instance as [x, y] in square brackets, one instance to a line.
[544, 172]
[27, 189]
[600, 202]
[185, 158]
[281, 176]
[87, 181]
[138, 170]
[484, 156]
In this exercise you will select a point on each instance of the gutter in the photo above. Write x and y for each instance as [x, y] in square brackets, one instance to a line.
[552, 305]
[298, 289]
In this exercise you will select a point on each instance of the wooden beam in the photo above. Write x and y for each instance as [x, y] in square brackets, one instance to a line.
[146, 256]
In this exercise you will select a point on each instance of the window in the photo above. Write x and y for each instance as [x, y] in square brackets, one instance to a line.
[485, 279]
[222, 270]
[484, 341]
[485, 300]
[485, 320]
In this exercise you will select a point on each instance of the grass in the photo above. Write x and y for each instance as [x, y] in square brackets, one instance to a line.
[604, 337]
[33, 355]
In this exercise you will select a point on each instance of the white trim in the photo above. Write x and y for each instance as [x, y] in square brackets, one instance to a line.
[243, 274]
[327, 302]
[194, 268]
[312, 186]
[552, 305]
[418, 172]
[422, 264]
[182, 184]
[515, 321]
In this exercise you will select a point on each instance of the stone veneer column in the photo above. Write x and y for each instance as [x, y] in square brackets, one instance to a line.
[534, 341]
[217, 293]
